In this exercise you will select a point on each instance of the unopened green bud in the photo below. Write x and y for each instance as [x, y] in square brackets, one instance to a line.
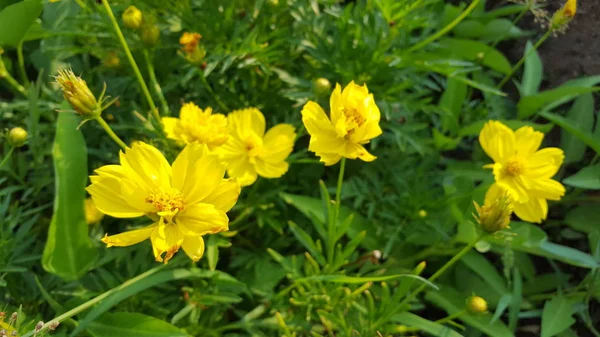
[132, 17]
[422, 213]
[322, 86]
[476, 305]
[17, 137]
[111, 60]
[150, 34]
[495, 216]
[77, 93]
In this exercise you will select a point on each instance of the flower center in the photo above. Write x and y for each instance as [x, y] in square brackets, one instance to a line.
[353, 119]
[253, 145]
[169, 202]
[513, 167]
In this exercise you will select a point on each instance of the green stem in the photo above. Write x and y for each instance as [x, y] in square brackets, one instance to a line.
[451, 317]
[132, 62]
[155, 85]
[95, 300]
[331, 233]
[211, 92]
[111, 133]
[522, 60]
[446, 29]
[8, 154]
[21, 61]
[440, 271]
[13, 83]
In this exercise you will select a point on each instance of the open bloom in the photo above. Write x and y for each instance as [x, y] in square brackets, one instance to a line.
[197, 125]
[354, 122]
[250, 151]
[185, 201]
[521, 169]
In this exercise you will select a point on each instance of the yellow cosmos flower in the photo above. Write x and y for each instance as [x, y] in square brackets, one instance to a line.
[354, 122]
[521, 169]
[185, 201]
[197, 125]
[250, 151]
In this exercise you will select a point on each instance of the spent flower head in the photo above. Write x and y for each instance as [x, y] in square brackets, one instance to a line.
[78, 94]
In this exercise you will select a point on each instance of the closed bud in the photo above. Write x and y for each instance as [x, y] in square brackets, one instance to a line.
[476, 305]
[422, 213]
[322, 86]
[563, 16]
[77, 93]
[132, 17]
[17, 137]
[111, 60]
[495, 216]
[150, 34]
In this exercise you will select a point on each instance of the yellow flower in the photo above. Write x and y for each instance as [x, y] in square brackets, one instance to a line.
[354, 122]
[521, 169]
[496, 211]
[250, 151]
[185, 201]
[196, 125]
[92, 214]
[189, 41]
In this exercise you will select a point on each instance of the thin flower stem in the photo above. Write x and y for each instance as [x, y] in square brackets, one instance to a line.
[522, 60]
[95, 300]
[111, 133]
[21, 61]
[451, 317]
[331, 233]
[446, 29]
[13, 83]
[132, 62]
[211, 91]
[8, 154]
[155, 85]
[440, 271]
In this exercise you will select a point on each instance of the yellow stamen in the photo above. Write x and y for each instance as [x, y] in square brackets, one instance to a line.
[514, 167]
[169, 202]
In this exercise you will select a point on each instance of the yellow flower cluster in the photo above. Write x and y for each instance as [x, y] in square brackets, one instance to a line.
[521, 170]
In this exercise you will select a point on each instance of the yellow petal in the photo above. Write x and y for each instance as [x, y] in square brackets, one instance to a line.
[106, 193]
[193, 246]
[242, 170]
[528, 140]
[190, 112]
[245, 121]
[130, 237]
[547, 189]
[225, 195]
[166, 239]
[329, 158]
[498, 141]
[535, 210]
[545, 163]
[367, 131]
[316, 121]
[354, 151]
[136, 196]
[269, 169]
[201, 219]
[185, 162]
[171, 127]
[145, 165]
[336, 106]
[203, 178]
[327, 143]
[278, 143]
[518, 186]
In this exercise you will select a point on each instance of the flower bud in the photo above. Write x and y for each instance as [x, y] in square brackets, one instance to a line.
[17, 137]
[495, 216]
[476, 305]
[132, 17]
[322, 86]
[77, 93]
[422, 213]
[92, 213]
[190, 45]
[563, 16]
[150, 34]
[111, 60]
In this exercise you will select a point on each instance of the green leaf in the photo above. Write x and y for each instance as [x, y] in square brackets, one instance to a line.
[451, 103]
[453, 302]
[580, 116]
[443, 142]
[557, 315]
[473, 50]
[433, 328]
[16, 19]
[474, 128]
[69, 251]
[583, 218]
[363, 279]
[486, 270]
[588, 178]
[532, 73]
[307, 242]
[142, 282]
[313, 208]
[564, 123]
[212, 252]
[127, 324]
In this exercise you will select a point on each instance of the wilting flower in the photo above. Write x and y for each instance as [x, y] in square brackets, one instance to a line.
[250, 151]
[354, 122]
[92, 213]
[522, 170]
[495, 213]
[190, 44]
[197, 125]
[132, 17]
[185, 200]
